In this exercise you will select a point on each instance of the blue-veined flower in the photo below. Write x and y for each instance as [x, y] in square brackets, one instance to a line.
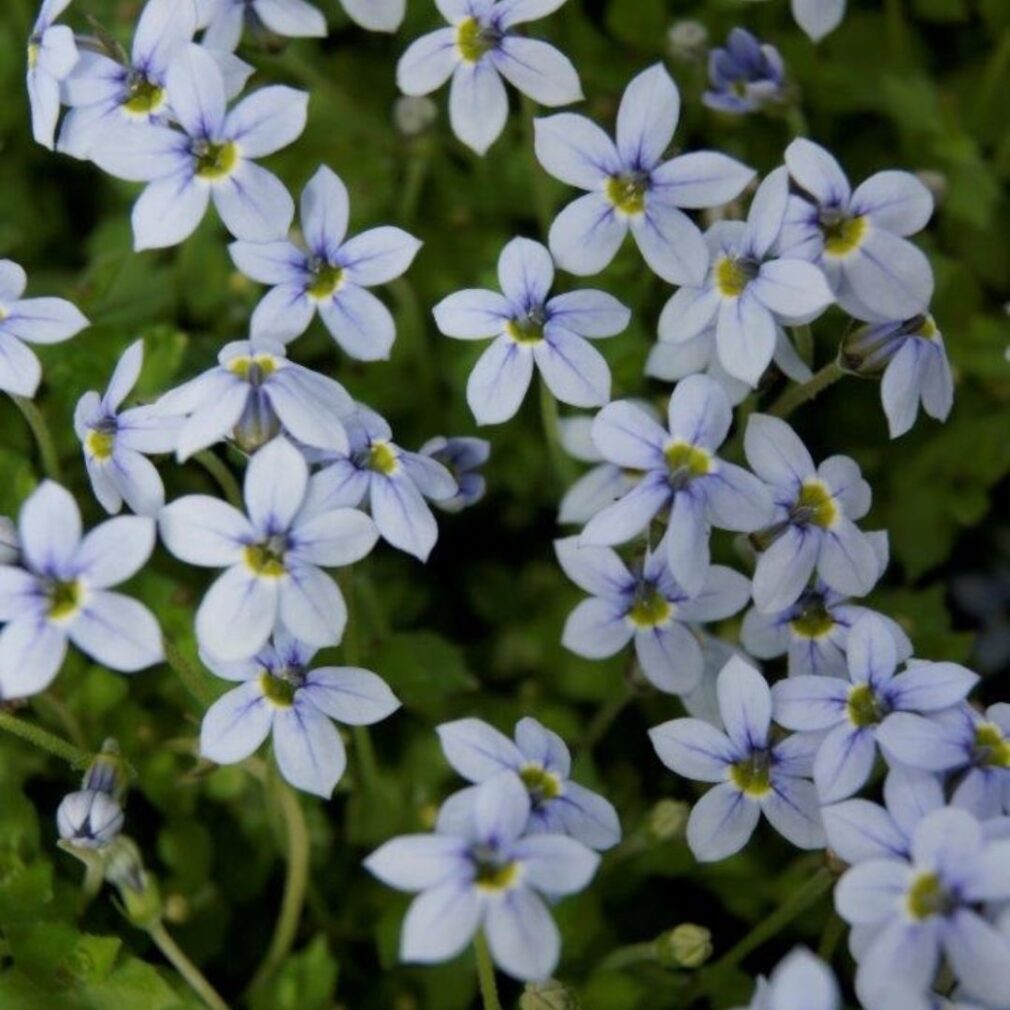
[540, 758]
[492, 877]
[211, 156]
[392, 482]
[331, 275]
[462, 456]
[530, 328]
[851, 711]
[744, 75]
[645, 604]
[89, 818]
[814, 525]
[672, 360]
[282, 695]
[858, 238]
[52, 54]
[224, 20]
[60, 591]
[252, 394]
[754, 775]
[682, 473]
[749, 292]
[116, 442]
[799, 980]
[479, 48]
[31, 320]
[929, 905]
[273, 557]
[631, 188]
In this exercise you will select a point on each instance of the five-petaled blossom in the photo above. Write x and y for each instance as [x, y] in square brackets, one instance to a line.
[486, 874]
[540, 758]
[813, 630]
[224, 20]
[749, 293]
[330, 276]
[858, 237]
[391, 481]
[115, 442]
[682, 473]
[631, 188]
[814, 527]
[644, 603]
[31, 320]
[799, 980]
[60, 590]
[851, 711]
[52, 55]
[282, 694]
[252, 394]
[479, 48]
[529, 328]
[273, 556]
[753, 773]
[462, 456]
[210, 157]
[745, 75]
[932, 904]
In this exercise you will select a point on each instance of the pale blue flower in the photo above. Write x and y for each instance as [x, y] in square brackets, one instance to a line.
[745, 75]
[391, 482]
[478, 49]
[61, 591]
[818, 17]
[630, 187]
[462, 457]
[858, 238]
[89, 819]
[749, 293]
[331, 276]
[646, 605]
[754, 775]
[282, 695]
[491, 878]
[540, 758]
[252, 394]
[530, 328]
[972, 746]
[52, 54]
[116, 442]
[799, 980]
[682, 473]
[211, 156]
[813, 630]
[851, 711]
[932, 904]
[224, 20]
[33, 321]
[814, 526]
[273, 557]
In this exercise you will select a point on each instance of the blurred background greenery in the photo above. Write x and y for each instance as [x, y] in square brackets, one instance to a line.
[914, 84]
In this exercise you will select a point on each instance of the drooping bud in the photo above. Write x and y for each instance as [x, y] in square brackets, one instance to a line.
[668, 819]
[89, 819]
[549, 995]
[685, 946]
[138, 890]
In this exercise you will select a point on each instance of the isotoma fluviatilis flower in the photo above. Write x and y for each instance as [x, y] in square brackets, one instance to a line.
[744, 75]
[330, 276]
[89, 818]
[52, 55]
[630, 188]
[462, 456]
[224, 20]
[479, 48]
[273, 557]
[530, 328]
[283, 696]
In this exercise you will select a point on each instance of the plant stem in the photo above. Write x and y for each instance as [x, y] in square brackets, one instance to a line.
[796, 119]
[40, 430]
[192, 680]
[602, 720]
[189, 971]
[44, 740]
[803, 338]
[541, 196]
[224, 477]
[798, 395]
[632, 954]
[833, 933]
[560, 462]
[296, 881]
[485, 974]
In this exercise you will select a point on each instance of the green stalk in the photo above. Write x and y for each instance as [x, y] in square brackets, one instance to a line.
[44, 740]
[43, 438]
[223, 476]
[798, 395]
[192, 975]
[485, 974]
[189, 676]
[541, 195]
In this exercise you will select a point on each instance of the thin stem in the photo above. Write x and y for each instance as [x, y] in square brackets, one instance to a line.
[798, 395]
[541, 195]
[796, 119]
[602, 720]
[44, 740]
[40, 431]
[632, 954]
[190, 677]
[193, 976]
[485, 974]
[833, 933]
[560, 461]
[419, 158]
[367, 763]
[296, 881]
[224, 477]
[803, 338]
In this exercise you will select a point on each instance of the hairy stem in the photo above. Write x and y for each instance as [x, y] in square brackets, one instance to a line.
[485, 974]
[43, 438]
[193, 976]
[189, 676]
[798, 395]
[44, 740]
[225, 479]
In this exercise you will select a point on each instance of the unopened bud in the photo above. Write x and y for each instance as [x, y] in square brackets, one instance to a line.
[108, 772]
[668, 819]
[138, 890]
[89, 819]
[868, 349]
[413, 114]
[686, 946]
[687, 40]
[549, 995]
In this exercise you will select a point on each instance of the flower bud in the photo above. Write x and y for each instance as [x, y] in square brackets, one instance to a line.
[868, 349]
[138, 890]
[413, 114]
[89, 819]
[108, 772]
[668, 819]
[685, 946]
[549, 995]
[687, 40]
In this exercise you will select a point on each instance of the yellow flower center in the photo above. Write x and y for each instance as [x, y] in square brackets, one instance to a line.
[992, 749]
[496, 876]
[144, 97]
[928, 330]
[100, 443]
[627, 192]
[650, 609]
[686, 460]
[813, 621]
[326, 279]
[926, 897]
[215, 161]
[815, 505]
[253, 368]
[33, 54]
[753, 776]
[277, 691]
[844, 236]
[540, 783]
[473, 39]
[732, 277]
[382, 458]
[266, 559]
[65, 599]
[863, 707]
